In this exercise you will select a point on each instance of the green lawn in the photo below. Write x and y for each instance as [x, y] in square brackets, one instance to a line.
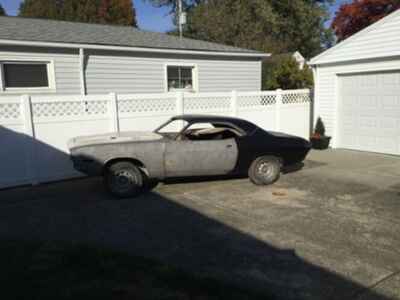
[56, 271]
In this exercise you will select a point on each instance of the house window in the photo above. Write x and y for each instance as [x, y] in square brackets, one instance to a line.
[180, 77]
[22, 75]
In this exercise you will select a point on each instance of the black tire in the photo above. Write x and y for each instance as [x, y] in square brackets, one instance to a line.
[265, 170]
[124, 180]
[150, 184]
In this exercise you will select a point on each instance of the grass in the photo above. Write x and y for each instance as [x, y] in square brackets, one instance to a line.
[44, 270]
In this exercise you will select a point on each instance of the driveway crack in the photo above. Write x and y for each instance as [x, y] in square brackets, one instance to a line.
[366, 289]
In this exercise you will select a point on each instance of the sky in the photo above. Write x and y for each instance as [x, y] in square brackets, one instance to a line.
[149, 17]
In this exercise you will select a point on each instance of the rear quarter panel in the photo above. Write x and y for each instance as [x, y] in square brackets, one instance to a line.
[290, 150]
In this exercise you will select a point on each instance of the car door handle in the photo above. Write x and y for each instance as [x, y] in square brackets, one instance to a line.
[228, 146]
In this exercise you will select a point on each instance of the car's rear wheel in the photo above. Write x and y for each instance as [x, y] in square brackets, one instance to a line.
[124, 180]
[265, 170]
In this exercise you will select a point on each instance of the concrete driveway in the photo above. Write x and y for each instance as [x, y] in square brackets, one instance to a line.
[328, 231]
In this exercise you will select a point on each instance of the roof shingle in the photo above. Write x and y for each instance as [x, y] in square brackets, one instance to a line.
[41, 30]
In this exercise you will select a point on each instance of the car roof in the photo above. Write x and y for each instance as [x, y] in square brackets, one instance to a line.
[247, 126]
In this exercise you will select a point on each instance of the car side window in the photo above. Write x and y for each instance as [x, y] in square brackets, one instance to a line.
[208, 132]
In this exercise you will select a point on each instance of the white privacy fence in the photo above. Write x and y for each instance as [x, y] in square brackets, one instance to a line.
[34, 130]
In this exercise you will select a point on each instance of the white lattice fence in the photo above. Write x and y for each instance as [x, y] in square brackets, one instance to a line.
[69, 107]
[298, 97]
[213, 103]
[10, 110]
[34, 130]
[144, 112]
[255, 100]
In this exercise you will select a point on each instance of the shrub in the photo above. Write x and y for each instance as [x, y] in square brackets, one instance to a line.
[319, 127]
[284, 73]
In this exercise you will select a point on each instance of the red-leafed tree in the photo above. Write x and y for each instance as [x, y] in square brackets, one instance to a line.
[359, 14]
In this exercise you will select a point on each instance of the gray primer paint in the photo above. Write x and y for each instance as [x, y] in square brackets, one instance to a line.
[161, 157]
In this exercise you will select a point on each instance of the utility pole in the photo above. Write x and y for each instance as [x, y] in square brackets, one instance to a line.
[181, 18]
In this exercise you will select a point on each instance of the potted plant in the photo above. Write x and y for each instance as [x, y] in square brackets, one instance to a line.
[319, 140]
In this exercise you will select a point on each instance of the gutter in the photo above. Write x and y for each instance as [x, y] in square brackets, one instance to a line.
[82, 71]
[129, 49]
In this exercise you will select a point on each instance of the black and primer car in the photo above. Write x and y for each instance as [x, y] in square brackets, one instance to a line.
[188, 145]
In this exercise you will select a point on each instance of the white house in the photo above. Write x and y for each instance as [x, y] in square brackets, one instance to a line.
[57, 57]
[300, 59]
[295, 55]
[357, 88]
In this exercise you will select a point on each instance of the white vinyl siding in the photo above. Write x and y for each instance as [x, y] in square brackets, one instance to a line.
[381, 39]
[66, 66]
[108, 72]
[327, 88]
[126, 72]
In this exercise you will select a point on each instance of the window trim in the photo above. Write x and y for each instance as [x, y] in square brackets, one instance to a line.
[195, 82]
[28, 61]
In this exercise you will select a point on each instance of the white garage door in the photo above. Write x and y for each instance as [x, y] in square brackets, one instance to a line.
[369, 112]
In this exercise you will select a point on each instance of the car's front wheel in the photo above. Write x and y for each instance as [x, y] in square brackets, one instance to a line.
[124, 180]
[265, 170]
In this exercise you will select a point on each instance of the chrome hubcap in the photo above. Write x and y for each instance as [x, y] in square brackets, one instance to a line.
[266, 170]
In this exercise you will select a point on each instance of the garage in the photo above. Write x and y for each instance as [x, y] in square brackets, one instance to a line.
[369, 116]
[357, 89]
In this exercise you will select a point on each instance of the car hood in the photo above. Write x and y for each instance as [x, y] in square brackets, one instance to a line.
[112, 138]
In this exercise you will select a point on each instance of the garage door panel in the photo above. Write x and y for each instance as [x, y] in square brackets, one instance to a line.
[369, 117]
[367, 123]
[389, 124]
[390, 102]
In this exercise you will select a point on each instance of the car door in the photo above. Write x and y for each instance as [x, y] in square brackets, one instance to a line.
[199, 158]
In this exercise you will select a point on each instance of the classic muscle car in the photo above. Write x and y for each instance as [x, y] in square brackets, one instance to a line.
[187, 145]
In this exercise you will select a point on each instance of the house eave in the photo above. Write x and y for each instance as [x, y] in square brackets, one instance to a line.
[318, 60]
[354, 60]
[130, 49]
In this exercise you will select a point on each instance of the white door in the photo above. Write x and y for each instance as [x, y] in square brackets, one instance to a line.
[369, 112]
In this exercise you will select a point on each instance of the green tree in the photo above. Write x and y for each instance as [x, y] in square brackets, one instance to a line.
[241, 23]
[283, 72]
[302, 25]
[275, 26]
[120, 12]
[117, 12]
[48, 9]
[80, 11]
[2, 11]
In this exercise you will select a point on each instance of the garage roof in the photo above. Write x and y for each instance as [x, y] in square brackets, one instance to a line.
[51, 31]
[380, 40]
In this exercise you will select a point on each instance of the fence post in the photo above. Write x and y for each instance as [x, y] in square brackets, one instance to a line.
[234, 107]
[113, 112]
[278, 109]
[29, 129]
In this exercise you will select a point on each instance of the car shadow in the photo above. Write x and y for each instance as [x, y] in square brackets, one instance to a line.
[159, 226]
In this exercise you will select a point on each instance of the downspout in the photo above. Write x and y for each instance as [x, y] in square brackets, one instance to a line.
[82, 71]
[314, 110]
[1, 78]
